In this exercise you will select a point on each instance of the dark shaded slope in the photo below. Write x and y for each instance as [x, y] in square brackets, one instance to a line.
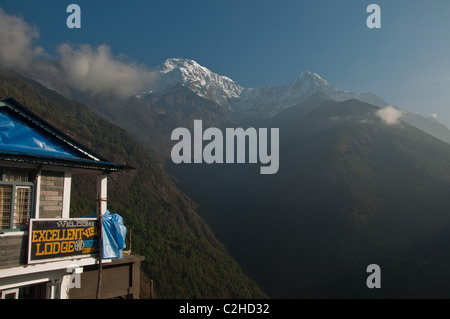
[356, 192]
[351, 191]
[182, 254]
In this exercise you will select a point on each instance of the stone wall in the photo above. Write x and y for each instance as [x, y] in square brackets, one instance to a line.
[13, 251]
[51, 196]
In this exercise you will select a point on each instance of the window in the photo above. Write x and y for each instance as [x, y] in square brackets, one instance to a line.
[36, 291]
[10, 294]
[16, 198]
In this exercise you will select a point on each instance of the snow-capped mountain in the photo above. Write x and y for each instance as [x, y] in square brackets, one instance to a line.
[264, 102]
[269, 101]
[197, 78]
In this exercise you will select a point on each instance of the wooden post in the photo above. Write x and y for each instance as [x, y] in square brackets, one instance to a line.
[100, 259]
[151, 288]
[130, 239]
[102, 189]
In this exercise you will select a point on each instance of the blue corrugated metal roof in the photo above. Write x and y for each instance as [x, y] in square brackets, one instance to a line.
[15, 135]
[25, 137]
[15, 156]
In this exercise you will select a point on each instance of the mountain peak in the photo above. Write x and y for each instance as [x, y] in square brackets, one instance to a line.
[198, 79]
[177, 63]
[309, 74]
[308, 77]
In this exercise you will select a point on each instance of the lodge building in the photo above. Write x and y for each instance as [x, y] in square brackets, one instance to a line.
[44, 252]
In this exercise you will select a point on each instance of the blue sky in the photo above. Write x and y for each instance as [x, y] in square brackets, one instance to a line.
[262, 43]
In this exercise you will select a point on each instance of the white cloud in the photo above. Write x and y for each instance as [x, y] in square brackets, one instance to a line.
[96, 70]
[435, 116]
[80, 67]
[16, 42]
[390, 115]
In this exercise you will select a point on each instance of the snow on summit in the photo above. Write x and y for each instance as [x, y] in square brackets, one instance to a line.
[264, 101]
[198, 79]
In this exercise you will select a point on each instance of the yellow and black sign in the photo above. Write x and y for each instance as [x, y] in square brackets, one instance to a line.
[61, 238]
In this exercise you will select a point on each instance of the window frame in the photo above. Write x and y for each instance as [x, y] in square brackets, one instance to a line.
[16, 185]
[5, 293]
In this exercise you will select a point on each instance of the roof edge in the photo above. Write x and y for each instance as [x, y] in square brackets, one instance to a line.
[57, 133]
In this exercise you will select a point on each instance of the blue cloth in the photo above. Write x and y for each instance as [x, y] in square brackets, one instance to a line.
[113, 235]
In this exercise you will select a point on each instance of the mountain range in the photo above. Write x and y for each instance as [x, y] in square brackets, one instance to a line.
[360, 182]
[264, 102]
[245, 105]
[181, 90]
